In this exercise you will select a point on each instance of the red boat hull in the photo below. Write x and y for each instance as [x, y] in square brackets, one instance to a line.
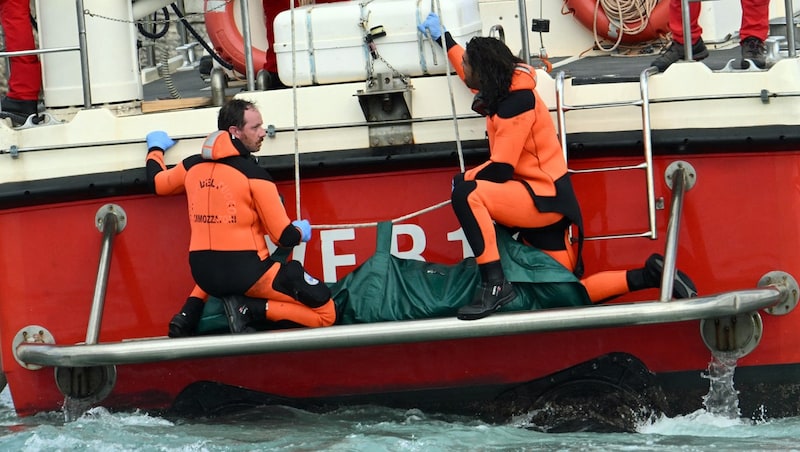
[734, 230]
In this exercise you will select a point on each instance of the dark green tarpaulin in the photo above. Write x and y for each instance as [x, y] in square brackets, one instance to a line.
[386, 287]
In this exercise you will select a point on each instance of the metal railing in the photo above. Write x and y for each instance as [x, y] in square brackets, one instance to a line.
[161, 349]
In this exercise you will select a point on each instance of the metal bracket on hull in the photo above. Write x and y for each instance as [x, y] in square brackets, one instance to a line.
[31, 334]
[786, 280]
[740, 334]
[387, 99]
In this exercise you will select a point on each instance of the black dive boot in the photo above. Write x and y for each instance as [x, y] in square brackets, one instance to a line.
[490, 296]
[682, 286]
[184, 323]
[242, 311]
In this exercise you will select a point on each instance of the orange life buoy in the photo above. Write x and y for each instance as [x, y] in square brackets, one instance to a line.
[226, 36]
[657, 25]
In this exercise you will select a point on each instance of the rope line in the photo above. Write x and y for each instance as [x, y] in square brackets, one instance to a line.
[375, 223]
[438, 9]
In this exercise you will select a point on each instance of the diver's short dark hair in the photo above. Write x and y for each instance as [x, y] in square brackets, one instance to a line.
[232, 113]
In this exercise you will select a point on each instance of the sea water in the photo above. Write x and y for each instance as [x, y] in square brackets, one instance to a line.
[372, 428]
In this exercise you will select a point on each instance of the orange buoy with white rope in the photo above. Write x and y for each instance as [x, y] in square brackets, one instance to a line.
[224, 33]
[641, 20]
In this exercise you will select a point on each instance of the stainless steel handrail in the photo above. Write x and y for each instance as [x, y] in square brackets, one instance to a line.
[673, 227]
[149, 350]
[109, 225]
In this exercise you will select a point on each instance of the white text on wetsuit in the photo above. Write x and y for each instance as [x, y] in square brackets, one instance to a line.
[230, 204]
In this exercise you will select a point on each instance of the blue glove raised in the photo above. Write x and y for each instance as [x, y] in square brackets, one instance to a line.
[305, 229]
[432, 24]
[159, 139]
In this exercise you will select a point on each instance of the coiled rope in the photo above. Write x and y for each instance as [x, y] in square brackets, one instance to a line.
[629, 16]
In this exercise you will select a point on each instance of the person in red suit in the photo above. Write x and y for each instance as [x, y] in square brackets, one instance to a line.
[752, 34]
[25, 80]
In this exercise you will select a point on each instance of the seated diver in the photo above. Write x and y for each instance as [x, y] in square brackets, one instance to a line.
[233, 205]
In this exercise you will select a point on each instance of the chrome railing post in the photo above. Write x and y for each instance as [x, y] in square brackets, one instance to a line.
[678, 177]
[647, 136]
[248, 46]
[87, 90]
[789, 8]
[110, 220]
[687, 31]
[523, 25]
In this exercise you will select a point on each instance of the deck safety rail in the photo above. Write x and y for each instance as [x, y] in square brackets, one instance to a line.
[147, 350]
[647, 165]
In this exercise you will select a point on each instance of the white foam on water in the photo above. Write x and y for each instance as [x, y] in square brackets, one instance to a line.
[700, 423]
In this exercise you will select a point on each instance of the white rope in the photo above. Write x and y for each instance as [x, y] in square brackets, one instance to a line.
[630, 16]
[294, 114]
[375, 223]
[438, 11]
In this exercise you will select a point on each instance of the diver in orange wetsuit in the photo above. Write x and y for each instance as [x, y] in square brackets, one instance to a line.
[233, 203]
[525, 184]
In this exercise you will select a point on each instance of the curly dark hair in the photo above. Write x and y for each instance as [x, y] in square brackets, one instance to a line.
[493, 63]
[232, 113]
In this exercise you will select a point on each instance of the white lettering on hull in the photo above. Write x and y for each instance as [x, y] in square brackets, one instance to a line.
[332, 261]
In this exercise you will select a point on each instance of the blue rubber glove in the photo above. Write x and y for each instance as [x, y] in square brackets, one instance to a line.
[433, 24]
[305, 229]
[159, 139]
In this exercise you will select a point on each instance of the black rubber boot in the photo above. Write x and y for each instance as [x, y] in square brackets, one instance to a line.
[184, 323]
[18, 110]
[242, 311]
[488, 299]
[21, 107]
[650, 277]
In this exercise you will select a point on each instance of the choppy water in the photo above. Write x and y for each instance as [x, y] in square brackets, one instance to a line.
[370, 428]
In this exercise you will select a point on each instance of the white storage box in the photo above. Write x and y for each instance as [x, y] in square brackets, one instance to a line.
[330, 45]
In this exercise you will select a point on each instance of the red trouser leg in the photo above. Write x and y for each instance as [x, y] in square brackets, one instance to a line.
[755, 19]
[676, 24]
[25, 81]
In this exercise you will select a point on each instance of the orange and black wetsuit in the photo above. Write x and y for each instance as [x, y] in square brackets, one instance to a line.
[233, 204]
[524, 185]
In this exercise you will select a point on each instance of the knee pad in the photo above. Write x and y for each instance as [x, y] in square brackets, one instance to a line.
[292, 280]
